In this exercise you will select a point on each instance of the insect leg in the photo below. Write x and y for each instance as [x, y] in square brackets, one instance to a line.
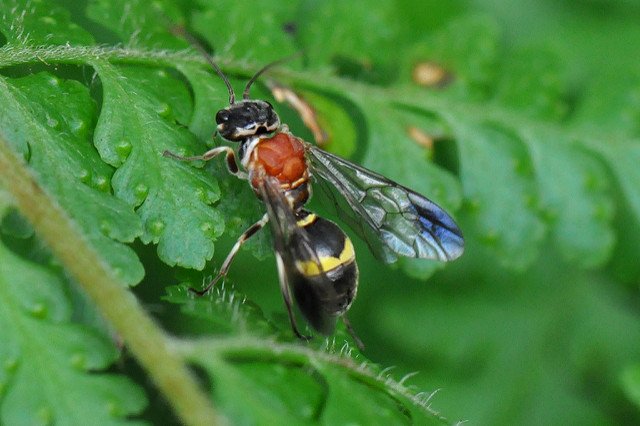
[232, 164]
[234, 250]
[286, 295]
[352, 333]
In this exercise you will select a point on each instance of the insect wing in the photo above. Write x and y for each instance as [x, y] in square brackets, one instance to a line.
[315, 295]
[407, 223]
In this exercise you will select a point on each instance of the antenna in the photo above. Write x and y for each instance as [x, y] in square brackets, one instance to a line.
[245, 94]
[181, 32]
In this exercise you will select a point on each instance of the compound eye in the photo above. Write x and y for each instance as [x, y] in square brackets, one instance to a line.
[222, 116]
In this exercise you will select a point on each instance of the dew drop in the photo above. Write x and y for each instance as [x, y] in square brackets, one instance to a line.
[161, 74]
[78, 126]
[118, 273]
[141, 191]
[54, 81]
[163, 110]
[123, 149]
[157, 227]
[38, 310]
[84, 175]
[53, 123]
[102, 183]
[207, 228]
[105, 227]
[48, 20]
[201, 194]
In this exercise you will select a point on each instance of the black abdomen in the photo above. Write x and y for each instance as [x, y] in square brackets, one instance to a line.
[325, 293]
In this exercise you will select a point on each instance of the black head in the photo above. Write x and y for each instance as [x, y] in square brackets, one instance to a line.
[242, 120]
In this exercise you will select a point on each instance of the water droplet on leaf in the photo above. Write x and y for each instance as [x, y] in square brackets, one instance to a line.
[84, 175]
[123, 149]
[105, 227]
[141, 192]
[102, 183]
[163, 110]
[38, 310]
[53, 123]
[48, 20]
[78, 126]
[157, 227]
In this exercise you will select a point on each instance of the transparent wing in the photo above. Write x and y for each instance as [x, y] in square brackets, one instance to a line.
[405, 222]
[316, 296]
[289, 240]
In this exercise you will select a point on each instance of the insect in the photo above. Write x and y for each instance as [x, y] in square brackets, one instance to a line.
[315, 259]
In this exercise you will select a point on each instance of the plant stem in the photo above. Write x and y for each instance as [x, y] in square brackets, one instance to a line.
[153, 349]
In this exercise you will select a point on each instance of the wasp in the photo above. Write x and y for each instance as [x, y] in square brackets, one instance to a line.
[315, 259]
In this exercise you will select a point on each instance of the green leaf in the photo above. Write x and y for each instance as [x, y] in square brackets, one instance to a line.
[467, 325]
[622, 157]
[465, 47]
[530, 141]
[489, 155]
[612, 104]
[222, 311]
[532, 81]
[631, 383]
[55, 139]
[356, 34]
[139, 23]
[29, 22]
[581, 222]
[247, 30]
[43, 352]
[181, 221]
[319, 387]
[209, 96]
[270, 402]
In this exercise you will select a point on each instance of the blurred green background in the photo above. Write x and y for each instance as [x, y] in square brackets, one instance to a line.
[536, 153]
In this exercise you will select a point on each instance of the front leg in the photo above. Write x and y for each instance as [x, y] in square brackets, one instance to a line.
[230, 156]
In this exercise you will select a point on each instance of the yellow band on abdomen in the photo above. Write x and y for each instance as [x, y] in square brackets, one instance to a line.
[327, 263]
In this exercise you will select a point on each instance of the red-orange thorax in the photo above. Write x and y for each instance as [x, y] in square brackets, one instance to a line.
[281, 156]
